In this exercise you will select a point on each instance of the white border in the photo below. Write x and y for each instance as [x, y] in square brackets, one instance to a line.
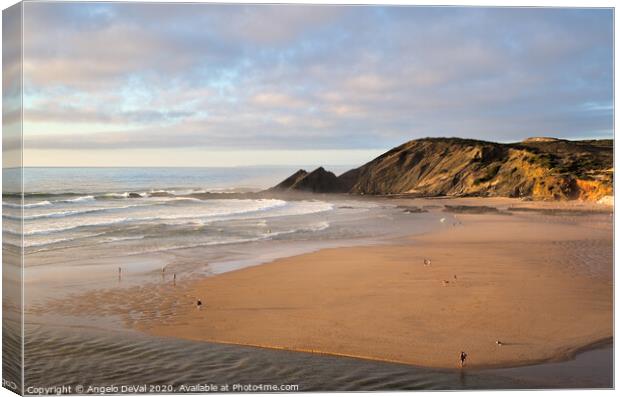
[505, 3]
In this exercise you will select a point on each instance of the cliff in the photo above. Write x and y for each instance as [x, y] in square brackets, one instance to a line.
[538, 168]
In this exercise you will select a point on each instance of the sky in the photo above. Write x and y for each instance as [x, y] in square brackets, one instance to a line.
[130, 84]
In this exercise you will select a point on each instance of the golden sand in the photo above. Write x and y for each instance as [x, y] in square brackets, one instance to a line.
[541, 285]
[520, 280]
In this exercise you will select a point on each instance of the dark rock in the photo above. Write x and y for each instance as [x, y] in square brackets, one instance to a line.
[411, 209]
[470, 209]
[289, 182]
[318, 181]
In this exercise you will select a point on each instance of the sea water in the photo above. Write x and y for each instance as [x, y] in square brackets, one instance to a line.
[72, 206]
[80, 224]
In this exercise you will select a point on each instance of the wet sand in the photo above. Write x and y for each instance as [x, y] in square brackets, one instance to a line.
[98, 357]
[541, 284]
[523, 280]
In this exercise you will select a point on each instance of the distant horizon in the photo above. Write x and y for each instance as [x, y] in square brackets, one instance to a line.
[309, 164]
[163, 166]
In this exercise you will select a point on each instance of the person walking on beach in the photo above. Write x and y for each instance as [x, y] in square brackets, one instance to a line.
[462, 358]
[198, 304]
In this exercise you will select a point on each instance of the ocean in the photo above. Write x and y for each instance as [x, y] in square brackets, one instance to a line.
[66, 207]
[81, 224]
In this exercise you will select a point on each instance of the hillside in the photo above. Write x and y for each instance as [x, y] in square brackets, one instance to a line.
[538, 168]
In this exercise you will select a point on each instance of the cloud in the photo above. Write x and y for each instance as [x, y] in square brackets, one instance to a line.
[298, 77]
[11, 65]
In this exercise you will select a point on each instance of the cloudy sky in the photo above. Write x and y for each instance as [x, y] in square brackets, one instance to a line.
[190, 84]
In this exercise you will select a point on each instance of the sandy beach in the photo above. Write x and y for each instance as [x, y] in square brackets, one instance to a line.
[540, 284]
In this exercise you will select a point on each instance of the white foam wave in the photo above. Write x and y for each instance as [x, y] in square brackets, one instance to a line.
[211, 212]
[117, 195]
[128, 238]
[49, 241]
[316, 227]
[39, 204]
[63, 214]
[31, 205]
[312, 228]
[77, 199]
[181, 199]
[179, 192]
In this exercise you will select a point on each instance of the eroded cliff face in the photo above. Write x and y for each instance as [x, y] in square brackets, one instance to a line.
[541, 168]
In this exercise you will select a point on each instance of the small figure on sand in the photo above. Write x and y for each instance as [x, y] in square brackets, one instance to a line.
[427, 262]
[456, 221]
[442, 220]
[498, 342]
[174, 279]
[119, 273]
[455, 277]
[462, 359]
[198, 304]
[446, 283]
